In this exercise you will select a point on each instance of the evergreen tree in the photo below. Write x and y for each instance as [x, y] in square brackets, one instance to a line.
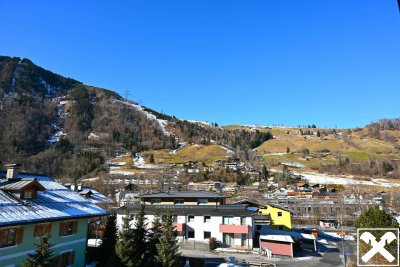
[264, 173]
[140, 235]
[151, 160]
[375, 218]
[107, 249]
[154, 237]
[318, 133]
[125, 244]
[287, 150]
[167, 249]
[43, 254]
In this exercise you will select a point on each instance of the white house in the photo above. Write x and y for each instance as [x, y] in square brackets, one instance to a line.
[198, 215]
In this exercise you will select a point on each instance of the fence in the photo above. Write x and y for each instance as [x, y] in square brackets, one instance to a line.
[194, 245]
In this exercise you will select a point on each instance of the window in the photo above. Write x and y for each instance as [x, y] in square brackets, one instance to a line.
[132, 216]
[279, 213]
[207, 235]
[179, 202]
[68, 228]
[202, 201]
[228, 239]
[190, 234]
[8, 237]
[155, 201]
[228, 220]
[243, 240]
[65, 259]
[242, 220]
[207, 219]
[191, 218]
[28, 194]
[280, 227]
[42, 228]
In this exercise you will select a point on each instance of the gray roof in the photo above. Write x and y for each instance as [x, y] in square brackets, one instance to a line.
[183, 194]
[54, 203]
[228, 209]
[15, 184]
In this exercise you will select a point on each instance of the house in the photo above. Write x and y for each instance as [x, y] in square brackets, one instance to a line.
[233, 166]
[198, 216]
[281, 218]
[31, 204]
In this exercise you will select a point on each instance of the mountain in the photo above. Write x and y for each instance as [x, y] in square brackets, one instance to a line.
[64, 128]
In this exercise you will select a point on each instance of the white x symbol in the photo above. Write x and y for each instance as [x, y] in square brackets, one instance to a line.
[378, 247]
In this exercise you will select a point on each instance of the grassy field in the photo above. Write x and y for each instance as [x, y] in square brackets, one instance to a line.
[359, 148]
[206, 153]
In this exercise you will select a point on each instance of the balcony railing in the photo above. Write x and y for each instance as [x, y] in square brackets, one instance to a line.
[234, 229]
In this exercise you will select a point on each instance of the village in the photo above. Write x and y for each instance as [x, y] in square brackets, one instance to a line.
[262, 223]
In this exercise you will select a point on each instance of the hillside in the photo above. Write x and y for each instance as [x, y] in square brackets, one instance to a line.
[64, 128]
[339, 151]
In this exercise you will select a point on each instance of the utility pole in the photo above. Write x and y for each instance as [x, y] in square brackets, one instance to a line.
[127, 94]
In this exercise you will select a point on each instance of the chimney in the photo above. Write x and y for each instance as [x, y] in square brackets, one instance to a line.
[12, 170]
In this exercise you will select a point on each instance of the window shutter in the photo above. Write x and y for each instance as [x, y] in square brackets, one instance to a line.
[20, 235]
[62, 228]
[75, 229]
[71, 257]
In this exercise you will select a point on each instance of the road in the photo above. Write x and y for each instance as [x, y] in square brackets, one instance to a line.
[328, 256]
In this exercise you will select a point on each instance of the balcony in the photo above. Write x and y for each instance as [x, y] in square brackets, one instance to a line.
[180, 227]
[234, 229]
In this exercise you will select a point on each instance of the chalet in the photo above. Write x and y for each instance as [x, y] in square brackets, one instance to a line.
[198, 216]
[31, 204]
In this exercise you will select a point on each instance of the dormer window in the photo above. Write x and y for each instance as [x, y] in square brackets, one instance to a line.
[28, 194]
[25, 188]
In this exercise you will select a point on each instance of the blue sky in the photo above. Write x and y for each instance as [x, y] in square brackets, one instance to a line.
[332, 63]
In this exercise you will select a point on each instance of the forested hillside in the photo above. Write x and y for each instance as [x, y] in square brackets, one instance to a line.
[59, 126]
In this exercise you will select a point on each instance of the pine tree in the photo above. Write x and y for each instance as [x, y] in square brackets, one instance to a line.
[154, 238]
[43, 254]
[318, 133]
[375, 218]
[264, 173]
[140, 234]
[168, 255]
[107, 249]
[125, 244]
[151, 160]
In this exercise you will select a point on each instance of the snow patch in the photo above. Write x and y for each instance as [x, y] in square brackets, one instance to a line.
[328, 179]
[93, 136]
[161, 123]
[56, 136]
[229, 152]
[200, 122]
[138, 162]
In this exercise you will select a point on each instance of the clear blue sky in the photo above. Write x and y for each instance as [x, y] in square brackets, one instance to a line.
[232, 62]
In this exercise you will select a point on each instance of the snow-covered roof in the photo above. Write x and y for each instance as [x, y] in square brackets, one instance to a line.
[54, 203]
[279, 238]
[267, 231]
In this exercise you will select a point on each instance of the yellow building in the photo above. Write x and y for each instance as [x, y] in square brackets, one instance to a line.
[281, 218]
